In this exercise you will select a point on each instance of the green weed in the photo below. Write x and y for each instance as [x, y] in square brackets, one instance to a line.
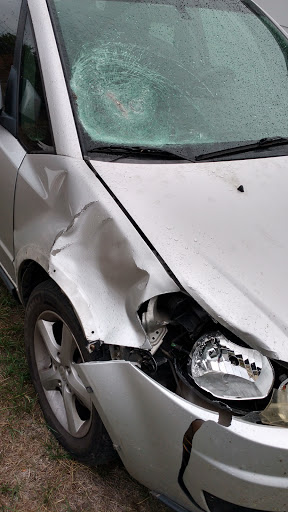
[17, 394]
[13, 494]
[55, 451]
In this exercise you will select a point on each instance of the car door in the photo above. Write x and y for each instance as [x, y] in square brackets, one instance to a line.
[11, 151]
[25, 131]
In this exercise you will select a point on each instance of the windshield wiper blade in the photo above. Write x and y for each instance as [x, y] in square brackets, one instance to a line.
[260, 144]
[124, 151]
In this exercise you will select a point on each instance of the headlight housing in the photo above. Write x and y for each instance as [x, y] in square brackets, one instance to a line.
[229, 371]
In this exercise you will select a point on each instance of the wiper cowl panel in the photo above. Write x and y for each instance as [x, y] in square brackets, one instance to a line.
[126, 151]
[260, 144]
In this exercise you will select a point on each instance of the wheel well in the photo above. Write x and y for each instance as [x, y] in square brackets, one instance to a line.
[30, 275]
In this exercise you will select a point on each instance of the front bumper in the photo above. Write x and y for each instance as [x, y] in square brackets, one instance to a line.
[214, 504]
[218, 505]
[244, 465]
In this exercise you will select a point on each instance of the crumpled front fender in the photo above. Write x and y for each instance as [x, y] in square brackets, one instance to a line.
[77, 232]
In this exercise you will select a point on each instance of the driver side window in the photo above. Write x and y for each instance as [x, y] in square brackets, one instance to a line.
[10, 12]
[34, 125]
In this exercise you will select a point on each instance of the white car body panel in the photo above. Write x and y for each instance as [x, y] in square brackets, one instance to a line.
[11, 154]
[226, 248]
[88, 246]
[147, 424]
[135, 409]
[62, 119]
[214, 237]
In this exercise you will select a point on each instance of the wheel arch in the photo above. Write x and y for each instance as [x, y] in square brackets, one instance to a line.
[30, 274]
[48, 305]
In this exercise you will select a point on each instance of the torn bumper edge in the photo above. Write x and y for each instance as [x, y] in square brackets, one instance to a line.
[244, 464]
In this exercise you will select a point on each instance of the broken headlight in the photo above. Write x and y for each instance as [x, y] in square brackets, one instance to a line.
[229, 371]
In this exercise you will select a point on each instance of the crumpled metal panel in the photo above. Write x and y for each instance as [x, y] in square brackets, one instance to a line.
[74, 229]
[227, 248]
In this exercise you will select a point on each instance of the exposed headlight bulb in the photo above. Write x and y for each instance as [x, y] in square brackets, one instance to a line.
[229, 371]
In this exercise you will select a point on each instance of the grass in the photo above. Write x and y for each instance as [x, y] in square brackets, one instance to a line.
[36, 474]
[13, 495]
[17, 394]
[54, 451]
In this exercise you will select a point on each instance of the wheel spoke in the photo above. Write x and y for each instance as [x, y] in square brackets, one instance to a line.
[67, 347]
[45, 330]
[79, 389]
[50, 378]
[55, 352]
[73, 420]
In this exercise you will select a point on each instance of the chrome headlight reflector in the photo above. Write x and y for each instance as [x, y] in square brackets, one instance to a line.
[229, 371]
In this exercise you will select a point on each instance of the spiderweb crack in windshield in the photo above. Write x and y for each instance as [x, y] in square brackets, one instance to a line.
[122, 97]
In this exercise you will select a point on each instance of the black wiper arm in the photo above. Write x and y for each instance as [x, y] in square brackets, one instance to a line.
[124, 151]
[260, 144]
[116, 149]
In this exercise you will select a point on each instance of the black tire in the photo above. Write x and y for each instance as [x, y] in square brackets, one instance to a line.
[67, 406]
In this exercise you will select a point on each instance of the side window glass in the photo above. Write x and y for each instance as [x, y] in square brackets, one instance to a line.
[34, 127]
[9, 17]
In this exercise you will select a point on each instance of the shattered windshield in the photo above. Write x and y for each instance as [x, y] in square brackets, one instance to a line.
[198, 74]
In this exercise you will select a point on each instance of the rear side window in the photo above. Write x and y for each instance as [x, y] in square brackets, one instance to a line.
[34, 126]
[9, 17]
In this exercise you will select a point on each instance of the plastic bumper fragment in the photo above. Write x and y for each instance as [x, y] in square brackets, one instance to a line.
[276, 413]
[217, 505]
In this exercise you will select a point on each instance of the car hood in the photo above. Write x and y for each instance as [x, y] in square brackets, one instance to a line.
[227, 248]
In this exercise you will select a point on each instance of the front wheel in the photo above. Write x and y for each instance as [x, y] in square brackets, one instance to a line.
[54, 341]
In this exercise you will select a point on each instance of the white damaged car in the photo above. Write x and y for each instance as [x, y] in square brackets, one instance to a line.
[143, 224]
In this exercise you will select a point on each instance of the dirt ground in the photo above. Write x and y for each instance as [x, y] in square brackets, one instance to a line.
[36, 474]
